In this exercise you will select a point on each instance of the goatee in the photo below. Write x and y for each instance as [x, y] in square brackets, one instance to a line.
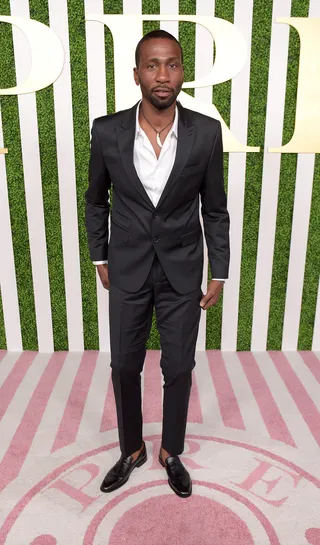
[162, 104]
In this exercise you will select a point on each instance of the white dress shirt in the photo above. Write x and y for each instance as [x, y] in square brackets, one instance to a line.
[152, 171]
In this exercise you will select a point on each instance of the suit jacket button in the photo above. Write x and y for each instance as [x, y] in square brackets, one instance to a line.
[156, 215]
[156, 239]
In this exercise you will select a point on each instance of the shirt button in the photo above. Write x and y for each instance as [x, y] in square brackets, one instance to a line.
[156, 239]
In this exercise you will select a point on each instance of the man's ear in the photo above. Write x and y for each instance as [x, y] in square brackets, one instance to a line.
[136, 76]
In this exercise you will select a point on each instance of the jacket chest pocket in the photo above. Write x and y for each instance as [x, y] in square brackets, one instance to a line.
[191, 169]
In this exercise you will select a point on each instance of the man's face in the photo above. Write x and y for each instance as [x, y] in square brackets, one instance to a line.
[160, 72]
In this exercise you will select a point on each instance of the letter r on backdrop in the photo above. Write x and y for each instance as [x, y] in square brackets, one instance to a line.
[230, 58]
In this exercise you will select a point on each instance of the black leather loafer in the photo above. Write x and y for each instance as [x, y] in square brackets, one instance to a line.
[119, 474]
[179, 478]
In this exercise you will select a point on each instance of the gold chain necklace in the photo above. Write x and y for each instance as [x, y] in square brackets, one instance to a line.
[158, 132]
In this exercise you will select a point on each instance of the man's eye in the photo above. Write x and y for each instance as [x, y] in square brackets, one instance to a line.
[173, 65]
[151, 65]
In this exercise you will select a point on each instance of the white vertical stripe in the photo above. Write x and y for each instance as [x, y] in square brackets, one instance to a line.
[246, 400]
[168, 7]
[96, 64]
[132, 7]
[316, 329]
[67, 180]
[236, 179]
[298, 250]
[299, 237]
[271, 173]
[203, 65]
[33, 187]
[8, 283]
[288, 409]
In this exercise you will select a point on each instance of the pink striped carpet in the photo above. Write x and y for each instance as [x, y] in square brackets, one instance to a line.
[252, 449]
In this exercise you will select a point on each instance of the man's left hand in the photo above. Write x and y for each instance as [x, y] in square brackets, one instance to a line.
[212, 295]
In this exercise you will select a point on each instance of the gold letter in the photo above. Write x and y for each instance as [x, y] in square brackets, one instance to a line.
[306, 136]
[47, 55]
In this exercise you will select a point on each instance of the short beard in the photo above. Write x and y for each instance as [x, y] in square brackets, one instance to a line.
[162, 104]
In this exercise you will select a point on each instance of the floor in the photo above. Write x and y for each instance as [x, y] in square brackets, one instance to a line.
[252, 449]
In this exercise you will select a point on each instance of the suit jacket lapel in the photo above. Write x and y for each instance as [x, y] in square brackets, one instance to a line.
[186, 133]
[126, 136]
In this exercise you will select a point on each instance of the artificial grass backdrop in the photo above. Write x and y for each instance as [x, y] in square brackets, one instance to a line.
[262, 20]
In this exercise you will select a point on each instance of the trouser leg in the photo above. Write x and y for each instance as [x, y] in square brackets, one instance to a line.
[178, 317]
[130, 318]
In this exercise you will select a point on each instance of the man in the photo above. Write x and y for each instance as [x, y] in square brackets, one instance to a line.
[161, 158]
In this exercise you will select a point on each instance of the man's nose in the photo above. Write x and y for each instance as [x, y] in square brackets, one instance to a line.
[163, 74]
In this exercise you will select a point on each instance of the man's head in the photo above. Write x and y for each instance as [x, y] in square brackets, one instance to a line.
[159, 68]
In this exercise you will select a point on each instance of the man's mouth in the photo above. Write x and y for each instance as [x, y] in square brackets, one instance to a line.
[162, 92]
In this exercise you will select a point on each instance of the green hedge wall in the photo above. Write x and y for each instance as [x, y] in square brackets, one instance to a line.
[262, 21]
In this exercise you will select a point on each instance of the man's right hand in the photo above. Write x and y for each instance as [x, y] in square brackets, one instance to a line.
[104, 275]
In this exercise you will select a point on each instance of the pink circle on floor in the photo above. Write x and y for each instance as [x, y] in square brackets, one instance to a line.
[167, 519]
[44, 539]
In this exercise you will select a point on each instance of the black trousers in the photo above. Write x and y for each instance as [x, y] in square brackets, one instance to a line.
[130, 318]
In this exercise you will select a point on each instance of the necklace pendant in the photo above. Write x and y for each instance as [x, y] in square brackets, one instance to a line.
[158, 140]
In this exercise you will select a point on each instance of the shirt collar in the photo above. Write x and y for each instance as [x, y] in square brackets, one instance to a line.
[174, 128]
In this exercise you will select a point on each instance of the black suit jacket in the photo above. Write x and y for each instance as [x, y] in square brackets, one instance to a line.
[172, 229]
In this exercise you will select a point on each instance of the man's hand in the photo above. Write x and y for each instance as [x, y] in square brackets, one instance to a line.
[104, 275]
[212, 295]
